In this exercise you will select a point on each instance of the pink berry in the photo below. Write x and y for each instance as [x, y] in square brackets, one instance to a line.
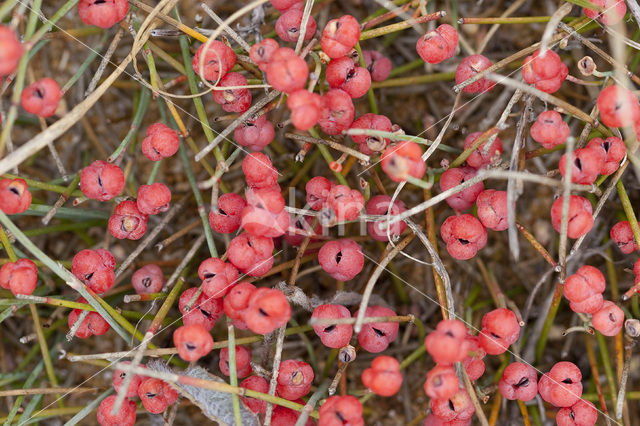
[92, 325]
[500, 329]
[255, 134]
[587, 163]
[148, 279]
[243, 361]
[103, 13]
[380, 205]
[318, 189]
[14, 196]
[584, 289]
[545, 71]
[233, 100]
[457, 407]
[41, 98]
[204, 312]
[622, 235]
[258, 384]
[433, 420]
[127, 222]
[341, 410]
[264, 214]
[519, 381]
[379, 66]
[561, 386]
[21, 276]
[218, 60]
[483, 155]
[342, 259]
[101, 181]
[492, 209]
[153, 199]
[343, 73]
[618, 106]
[337, 112]
[161, 142]
[11, 51]
[132, 390]
[402, 160]
[192, 341]
[447, 343]
[156, 395]
[464, 199]
[582, 413]
[441, 382]
[227, 219]
[267, 309]
[305, 108]
[95, 269]
[438, 45]
[300, 228]
[612, 13]
[294, 379]
[580, 216]
[371, 144]
[283, 416]
[346, 203]
[334, 335]
[375, 337]
[260, 53]
[288, 25]
[125, 417]
[237, 300]
[383, 377]
[609, 319]
[340, 36]
[259, 171]
[549, 130]
[283, 5]
[464, 236]
[614, 151]
[473, 362]
[469, 67]
[217, 277]
[286, 71]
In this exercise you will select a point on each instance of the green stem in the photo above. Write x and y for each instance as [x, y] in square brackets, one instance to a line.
[372, 98]
[7, 245]
[233, 372]
[628, 210]
[418, 79]
[83, 67]
[141, 110]
[46, 357]
[43, 185]
[551, 315]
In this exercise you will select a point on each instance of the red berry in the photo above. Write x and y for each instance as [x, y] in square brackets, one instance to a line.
[379, 66]
[383, 377]
[469, 67]
[457, 407]
[148, 279]
[433, 420]
[93, 324]
[227, 219]
[464, 236]
[341, 410]
[492, 209]
[622, 235]
[334, 335]
[343, 73]
[125, 417]
[402, 160]
[255, 134]
[288, 25]
[283, 416]
[442, 382]
[192, 341]
[259, 171]
[464, 199]
[283, 5]
[243, 361]
[103, 13]
[11, 51]
[473, 362]
[483, 155]
[286, 71]
[95, 269]
[305, 108]
[584, 289]
[519, 381]
[609, 319]
[217, 277]
[233, 100]
[267, 309]
[251, 254]
[101, 181]
[258, 384]
[500, 329]
[127, 222]
[132, 390]
[561, 386]
[346, 203]
[318, 189]
[20, 276]
[14, 196]
[218, 60]
[337, 112]
[612, 13]
[580, 216]
[302, 228]
[161, 142]
[376, 336]
[204, 312]
[264, 214]
[379, 205]
[438, 45]
[447, 343]
[153, 199]
[342, 259]
[152, 395]
[371, 144]
[582, 413]
[260, 53]
[41, 98]
[546, 72]
[618, 106]
[587, 163]
[340, 36]
[549, 130]
[237, 300]
[294, 379]
[614, 151]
